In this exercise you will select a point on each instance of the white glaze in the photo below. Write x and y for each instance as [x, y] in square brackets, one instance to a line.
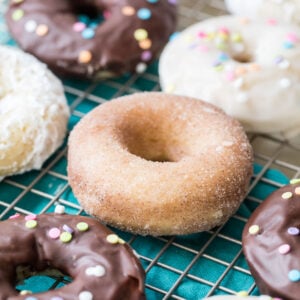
[264, 97]
[33, 112]
[281, 10]
[263, 297]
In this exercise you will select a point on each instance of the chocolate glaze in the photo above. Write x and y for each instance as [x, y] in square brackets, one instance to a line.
[22, 247]
[268, 266]
[114, 49]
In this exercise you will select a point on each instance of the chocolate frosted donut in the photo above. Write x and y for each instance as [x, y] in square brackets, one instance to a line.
[101, 265]
[271, 243]
[73, 38]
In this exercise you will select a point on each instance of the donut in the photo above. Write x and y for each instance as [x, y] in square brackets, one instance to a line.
[271, 243]
[100, 264]
[97, 38]
[274, 10]
[243, 296]
[245, 67]
[33, 112]
[158, 164]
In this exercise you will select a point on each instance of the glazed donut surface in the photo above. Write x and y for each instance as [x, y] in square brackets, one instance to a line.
[159, 164]
[33, 112]
[278, 10]
[271, 243]
[73, 40]
[100, 264]
[245, 67]
[262, 297]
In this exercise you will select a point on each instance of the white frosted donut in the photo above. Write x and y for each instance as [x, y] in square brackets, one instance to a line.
[262, 297]
[159, 164]
[281, 10]
[33, 112]
[249, 69]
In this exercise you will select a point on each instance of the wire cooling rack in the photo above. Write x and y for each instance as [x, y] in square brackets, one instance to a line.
[178, 267]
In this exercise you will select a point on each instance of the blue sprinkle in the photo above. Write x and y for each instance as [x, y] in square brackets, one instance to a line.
[288, 45]
[144, 13]
[174, 35]
[294, 275]
[88, 33]
[152, 1]
[84, 19]
[223, 57]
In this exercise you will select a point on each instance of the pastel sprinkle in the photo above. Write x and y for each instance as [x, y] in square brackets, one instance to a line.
[288, 45]
[66, 237]
[54, 233]
[293, 231]
[82, 226]
[15, 216]
[242, 294]
[140, 34]
[31, 224]
[30, 217]
[144, 13]
[254, 229]
[292, 37]
[145, 44]
[106, 14]
[30, 26]
[121, 241]
[272, 22]
[42, 30]
[174, 2]
[287, 195]
[97, 271]
[152, 1]
[31, 298]
[17, 1]
[88, 33]
[285, 83]
[68, 228]
[295, 181]
[56, 298]
[128, 11]
[140, 68]
[59, 209]
[85, 56]
[236, 37]
[265, 297]
[297, 190]
[85, 295]
[112, 239]
[79, 26]
[284, 64]
[17, 14]
[25, 292]
[146, 55]
[294, 275]
[284, 249]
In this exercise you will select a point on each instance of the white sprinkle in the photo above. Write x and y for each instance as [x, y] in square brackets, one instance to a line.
[141, 68]
[30, 26]
[242, 97]
[97, 271]
[285, 83]
[238, 83]
[284, 64]
[85, 295]
[59, 209]
[265, 297]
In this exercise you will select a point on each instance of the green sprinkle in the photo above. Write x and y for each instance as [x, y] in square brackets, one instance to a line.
[295, 181]
[65, 237]
[17, 14]
[82, 226]
[31, 224]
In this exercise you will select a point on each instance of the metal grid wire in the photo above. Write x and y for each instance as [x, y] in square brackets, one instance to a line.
[178, 267]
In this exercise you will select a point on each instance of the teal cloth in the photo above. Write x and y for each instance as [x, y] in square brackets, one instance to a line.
[176, 257]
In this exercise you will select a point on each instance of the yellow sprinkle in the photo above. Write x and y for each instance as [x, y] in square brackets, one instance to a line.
[297, 190]
[128, 10]
[65, 237]
[42, 30]
[295, 181]
[170, 88]
[210, 36]
[85, 56]
[236, 37]
[82, 226]
[254, 229]
[18, 1]
[219, 68]
[223, 36]
[31, 224]
[242, 294]
[17, 14]
[287, 195]
[25, 292]
[121, 241]
[145, 44]
[112, 238]
[254, 67]
[140, 34]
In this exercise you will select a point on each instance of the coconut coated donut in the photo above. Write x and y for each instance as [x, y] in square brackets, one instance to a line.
[33, 112]
[73, 39]
[271, 243]
[100, 264]
[275, 10]
[247, 68]
[159, 164]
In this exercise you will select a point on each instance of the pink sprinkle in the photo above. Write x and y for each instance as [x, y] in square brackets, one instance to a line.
[292, 37]
[272, 22]
[79, 26]
[106, 14]
[15, 216]
[202, 35]
[284, 249]
[203, 48]
[54, 233]
[224, 30]
[30, 217]
[230, 76]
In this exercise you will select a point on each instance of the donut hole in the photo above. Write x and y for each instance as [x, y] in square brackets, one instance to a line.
[243, 58]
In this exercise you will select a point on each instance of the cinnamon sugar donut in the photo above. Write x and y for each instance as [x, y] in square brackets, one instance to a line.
[159, 164]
